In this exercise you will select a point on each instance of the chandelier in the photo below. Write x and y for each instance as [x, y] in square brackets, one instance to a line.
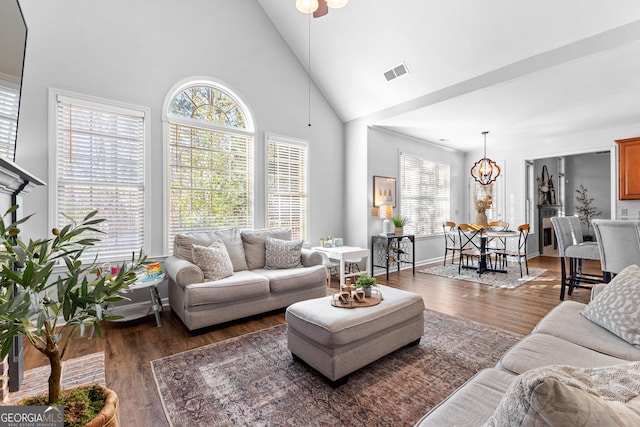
[319, 7]
[485, 170]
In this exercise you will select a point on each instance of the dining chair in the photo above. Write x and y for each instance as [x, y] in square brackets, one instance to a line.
[574, 250]
[471, 244]
[619, 244]
[451, 241]
[333, 267]
[521, 251]
[498, 245]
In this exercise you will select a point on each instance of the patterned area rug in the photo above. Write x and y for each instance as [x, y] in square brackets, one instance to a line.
[253, 380]
[83, 370]
[509, 280]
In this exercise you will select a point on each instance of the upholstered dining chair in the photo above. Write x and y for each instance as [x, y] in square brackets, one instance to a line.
[574, 250]
[619, 244]
[451, 242]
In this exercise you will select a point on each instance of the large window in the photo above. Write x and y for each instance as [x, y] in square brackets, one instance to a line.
[210, 160]
[424, 194]
[287, 185]
[9, 101]
[99, 164]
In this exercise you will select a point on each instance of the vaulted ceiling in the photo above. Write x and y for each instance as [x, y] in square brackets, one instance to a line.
[513, 67]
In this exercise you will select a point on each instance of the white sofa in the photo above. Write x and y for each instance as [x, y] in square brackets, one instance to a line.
[252, 288]
[564, 337]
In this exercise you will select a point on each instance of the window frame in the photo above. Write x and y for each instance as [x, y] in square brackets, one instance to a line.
[437, 230]
[292, 141]
[167, 119]
[11, 86]
[113, 106]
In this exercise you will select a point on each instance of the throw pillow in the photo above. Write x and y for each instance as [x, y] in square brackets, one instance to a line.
[566, 395]
[214, 260]
[230, 236]
[282, 253]
[617, 307]
[254, 244]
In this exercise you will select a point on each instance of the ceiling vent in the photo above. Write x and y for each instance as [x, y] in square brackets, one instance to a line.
[395, 72]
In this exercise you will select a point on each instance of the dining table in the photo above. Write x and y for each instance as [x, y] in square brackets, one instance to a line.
[485, 237]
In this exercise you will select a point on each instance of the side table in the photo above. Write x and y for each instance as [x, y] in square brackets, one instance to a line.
[392, 248]
[156, 302]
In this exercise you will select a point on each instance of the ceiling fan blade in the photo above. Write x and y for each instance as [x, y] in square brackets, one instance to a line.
[322, 9]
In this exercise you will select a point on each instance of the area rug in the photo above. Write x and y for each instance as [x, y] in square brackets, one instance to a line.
[76, 372]
[253, 379]
[509, 280]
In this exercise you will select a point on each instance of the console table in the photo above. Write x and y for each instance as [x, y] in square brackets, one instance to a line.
[393, 248]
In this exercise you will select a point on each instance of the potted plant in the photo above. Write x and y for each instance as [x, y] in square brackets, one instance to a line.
[399, 223]
[48, 307]
[586, 211]
[366, 282]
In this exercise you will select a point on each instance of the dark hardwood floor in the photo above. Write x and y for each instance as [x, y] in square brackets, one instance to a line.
[129, 347]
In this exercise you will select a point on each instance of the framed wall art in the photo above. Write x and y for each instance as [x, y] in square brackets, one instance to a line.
[384, 191]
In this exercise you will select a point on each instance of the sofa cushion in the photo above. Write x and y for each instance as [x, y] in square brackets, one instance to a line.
[213, 260]
[230, 237]
[473, 403]
[287, 280]
[617, 307]
[537, 350]
[241, 286]
[254, 244]
[565, 322]
[282, 253]
[566, 395]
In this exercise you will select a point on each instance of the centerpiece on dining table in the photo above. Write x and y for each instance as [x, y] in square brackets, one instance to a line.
[482, 202]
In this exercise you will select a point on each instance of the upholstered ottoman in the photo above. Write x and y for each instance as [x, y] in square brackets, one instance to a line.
[338, 341]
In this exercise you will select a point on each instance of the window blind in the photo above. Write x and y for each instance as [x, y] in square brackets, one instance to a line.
[210, 179]
[9, 102]
[287, 186]
[100, 166]
[424, 194]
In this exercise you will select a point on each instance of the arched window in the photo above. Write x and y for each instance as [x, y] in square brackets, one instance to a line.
[210, 160]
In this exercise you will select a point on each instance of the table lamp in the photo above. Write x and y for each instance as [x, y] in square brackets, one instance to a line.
[386, 212]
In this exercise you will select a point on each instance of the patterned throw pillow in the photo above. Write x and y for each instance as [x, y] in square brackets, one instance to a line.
[566, 395]
[214, 260]
[617, 307]
[282, 253]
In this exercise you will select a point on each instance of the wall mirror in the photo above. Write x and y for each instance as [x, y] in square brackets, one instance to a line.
[13, 39]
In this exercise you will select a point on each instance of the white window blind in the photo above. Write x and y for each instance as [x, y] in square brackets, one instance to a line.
[287, 186]
[9, 101]
[100, 166]
[210, 179]
[424, 194]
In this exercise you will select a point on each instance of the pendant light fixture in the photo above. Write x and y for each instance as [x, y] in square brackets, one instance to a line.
[485, 171]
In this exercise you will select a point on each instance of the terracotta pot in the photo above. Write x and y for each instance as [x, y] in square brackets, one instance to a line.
[110, 414]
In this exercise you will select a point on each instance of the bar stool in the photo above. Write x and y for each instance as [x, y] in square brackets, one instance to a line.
[619, 244]
[571, 246]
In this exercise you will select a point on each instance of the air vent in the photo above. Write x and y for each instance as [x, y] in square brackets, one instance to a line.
[395, 72]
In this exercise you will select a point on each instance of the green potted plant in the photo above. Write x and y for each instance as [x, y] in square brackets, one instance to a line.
[49, 292]
[586, 211]
[366, 282]
[399, 223]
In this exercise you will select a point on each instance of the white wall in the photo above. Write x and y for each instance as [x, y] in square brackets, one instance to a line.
[525, 148]
[135, 51]
[383, 159]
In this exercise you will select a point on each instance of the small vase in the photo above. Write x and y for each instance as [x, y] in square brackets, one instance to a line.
[481, 219]
[367, 292]
[399, 230]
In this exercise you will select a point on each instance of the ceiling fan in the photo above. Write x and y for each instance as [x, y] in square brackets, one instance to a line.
[319, 7]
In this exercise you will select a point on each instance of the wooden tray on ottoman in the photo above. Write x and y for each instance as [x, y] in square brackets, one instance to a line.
[374, 299]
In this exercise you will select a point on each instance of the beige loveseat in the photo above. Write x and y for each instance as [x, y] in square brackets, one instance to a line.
[569, 371]
[249, 272]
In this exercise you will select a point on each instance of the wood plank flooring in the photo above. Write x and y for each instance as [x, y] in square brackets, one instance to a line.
[129, 347]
